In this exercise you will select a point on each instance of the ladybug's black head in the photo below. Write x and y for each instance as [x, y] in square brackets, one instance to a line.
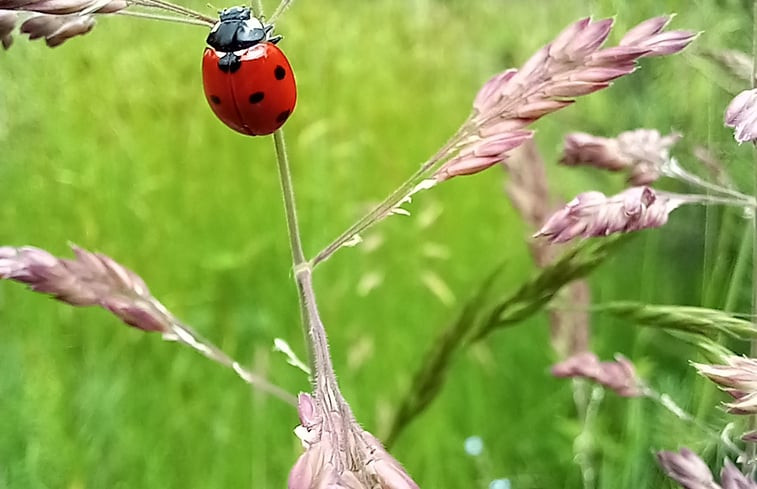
[237, 29]
[236, 13]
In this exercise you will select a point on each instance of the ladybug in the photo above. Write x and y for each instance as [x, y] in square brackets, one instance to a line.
[248, 81]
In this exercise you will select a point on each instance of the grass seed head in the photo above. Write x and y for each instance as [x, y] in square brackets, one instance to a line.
[741, 115]
[732, 478]
[573, 65]
[686, 468]
[642, 153]
[618, 376]
[88, 280]
[593, 214]
[339, 454]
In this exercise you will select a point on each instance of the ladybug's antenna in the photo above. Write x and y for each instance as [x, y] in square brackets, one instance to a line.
[283, 5]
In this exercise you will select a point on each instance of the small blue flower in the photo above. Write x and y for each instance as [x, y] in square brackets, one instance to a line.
[474, 446]
[500, 484]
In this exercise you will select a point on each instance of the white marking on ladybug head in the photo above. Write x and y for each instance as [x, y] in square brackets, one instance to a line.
[253, 23]
[215, 27]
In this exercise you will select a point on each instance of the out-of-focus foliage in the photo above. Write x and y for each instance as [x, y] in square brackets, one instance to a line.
[106, 141]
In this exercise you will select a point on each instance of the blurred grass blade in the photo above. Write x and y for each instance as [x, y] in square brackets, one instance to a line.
[710, 349]
[482, 314]
[689, 319]
[533, 295]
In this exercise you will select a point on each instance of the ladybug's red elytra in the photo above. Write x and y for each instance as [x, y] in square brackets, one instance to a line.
[248, 80]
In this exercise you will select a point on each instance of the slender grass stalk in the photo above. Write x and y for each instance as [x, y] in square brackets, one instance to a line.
[287, 190]
[391, 201]
[185, 335]
[749, 466]
[293, 230]
[739, 271]
[671, 406]
[175, 8]
[257, 8]
[584, 444]
[164, 18]
[315, 333]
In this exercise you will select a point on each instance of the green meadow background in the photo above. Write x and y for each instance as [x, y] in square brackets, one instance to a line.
[107, 142]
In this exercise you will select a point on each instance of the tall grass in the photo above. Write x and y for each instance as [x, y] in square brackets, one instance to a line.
[106, 142]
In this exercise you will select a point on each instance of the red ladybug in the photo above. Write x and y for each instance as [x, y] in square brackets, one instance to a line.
[248, 81]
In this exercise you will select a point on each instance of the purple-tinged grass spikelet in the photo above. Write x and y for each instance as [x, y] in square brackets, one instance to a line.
[481, 153]
[88, 280]
[593, 214]
[687, 469]
[57, 29]
[93, 279]
[65, 7]
[55, 21]
[738, 373]
[7, 24]
[618, 376]
[741, 115]
[750, 437]
[339, 453]
[323, 463]
[59, 20]
[649, 34]
[642, 153]
[738, 377]
[573, 65]
[732, 478]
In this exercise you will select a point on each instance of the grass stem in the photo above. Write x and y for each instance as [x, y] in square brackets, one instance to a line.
[315, 332]
[749, 466]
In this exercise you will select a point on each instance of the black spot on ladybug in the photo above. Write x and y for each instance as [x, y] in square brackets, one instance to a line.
[283, 116]
[215, 99]
[279, 73]
[256, 97]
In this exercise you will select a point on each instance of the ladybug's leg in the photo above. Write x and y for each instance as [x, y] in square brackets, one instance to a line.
[274, 39]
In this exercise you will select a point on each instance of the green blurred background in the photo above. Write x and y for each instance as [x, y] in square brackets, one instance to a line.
[107, 142]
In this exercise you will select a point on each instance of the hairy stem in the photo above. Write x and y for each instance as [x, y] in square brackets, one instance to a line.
[315, 333]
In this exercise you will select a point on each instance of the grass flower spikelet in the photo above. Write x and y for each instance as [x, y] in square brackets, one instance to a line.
[741, 115]
[593, 214]
[686, 468]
